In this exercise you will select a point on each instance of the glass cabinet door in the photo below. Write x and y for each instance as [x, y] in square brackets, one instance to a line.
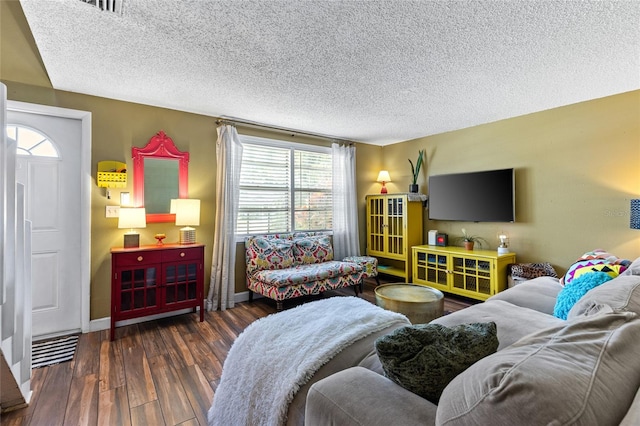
[180, 282]
[376, 224]
[395, 226]
[472, 275]
[138, 288]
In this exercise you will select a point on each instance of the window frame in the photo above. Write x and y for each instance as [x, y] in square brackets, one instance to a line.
[292, 147]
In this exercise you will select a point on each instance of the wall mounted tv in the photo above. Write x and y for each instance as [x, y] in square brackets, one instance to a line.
[487, 196]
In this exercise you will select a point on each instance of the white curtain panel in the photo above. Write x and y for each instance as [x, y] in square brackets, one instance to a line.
[345, 202]
[229, 160]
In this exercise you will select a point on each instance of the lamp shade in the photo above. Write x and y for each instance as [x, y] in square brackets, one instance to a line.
[187, 211]
[132, 217]
[383, 176]
[634, 222]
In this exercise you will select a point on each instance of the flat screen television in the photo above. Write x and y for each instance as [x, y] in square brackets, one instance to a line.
[487, 196]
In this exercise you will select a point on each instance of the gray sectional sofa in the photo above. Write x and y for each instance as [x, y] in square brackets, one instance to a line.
[584, 370]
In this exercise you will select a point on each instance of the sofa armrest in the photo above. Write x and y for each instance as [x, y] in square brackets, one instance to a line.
[538, 294]
[357, 396]
[632, 418]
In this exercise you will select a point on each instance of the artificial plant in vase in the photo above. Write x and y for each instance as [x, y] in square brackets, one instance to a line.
[415, 171]
[469, 240]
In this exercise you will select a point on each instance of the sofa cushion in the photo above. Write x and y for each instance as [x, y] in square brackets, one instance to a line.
[584, 372]
[578, 287]
[513, 322]
[312, 249]
[424, 358]
[302, 274]
[621, 294]
[538, 294]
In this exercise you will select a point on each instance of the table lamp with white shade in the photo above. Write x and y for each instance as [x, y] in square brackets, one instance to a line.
[383, 177]
[132, 218]
[187, 212]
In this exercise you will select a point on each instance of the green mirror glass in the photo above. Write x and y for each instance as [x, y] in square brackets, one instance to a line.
[160, 184]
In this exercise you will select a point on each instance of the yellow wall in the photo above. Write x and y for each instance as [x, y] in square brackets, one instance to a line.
[577, 166]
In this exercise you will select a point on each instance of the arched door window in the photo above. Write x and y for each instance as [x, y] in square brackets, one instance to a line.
[32, 142]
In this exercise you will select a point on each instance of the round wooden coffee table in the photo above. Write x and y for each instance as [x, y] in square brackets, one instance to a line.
[419, 303]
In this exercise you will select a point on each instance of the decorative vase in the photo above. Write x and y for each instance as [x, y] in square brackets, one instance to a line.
[468, 245]
[413, 188]
[160, 237]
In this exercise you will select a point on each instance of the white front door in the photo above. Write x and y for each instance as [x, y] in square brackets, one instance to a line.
[49, 164]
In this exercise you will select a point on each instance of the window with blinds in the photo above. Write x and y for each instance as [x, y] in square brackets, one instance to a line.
[284, 187]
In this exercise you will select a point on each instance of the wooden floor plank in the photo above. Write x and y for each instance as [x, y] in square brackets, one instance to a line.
[198, 391]
[176, 347]
[113, 407]
[157, 372]
[151, 339]
[54, 395]
[111, 365]
[173, 399]
[147, 414]
[87, 355]
[209, 364]
[82, 408]
[140, 386]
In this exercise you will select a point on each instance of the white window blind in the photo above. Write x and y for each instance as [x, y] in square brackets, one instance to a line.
[284, 188]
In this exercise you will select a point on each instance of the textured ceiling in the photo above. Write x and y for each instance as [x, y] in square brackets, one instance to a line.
[370, 71]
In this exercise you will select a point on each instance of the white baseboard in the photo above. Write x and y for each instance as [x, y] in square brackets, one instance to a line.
[105, 323]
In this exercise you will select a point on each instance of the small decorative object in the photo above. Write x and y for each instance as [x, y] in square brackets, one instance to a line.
[383, 177]
[160, 237]
[433, 234]
[503, 248]
[415, 171]
[442, 240]
[470, 240]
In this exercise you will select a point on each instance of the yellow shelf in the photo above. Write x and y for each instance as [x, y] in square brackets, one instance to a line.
[394, 224]
[477, 274]
[112, 174]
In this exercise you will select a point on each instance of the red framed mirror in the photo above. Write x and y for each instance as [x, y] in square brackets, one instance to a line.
[160, 173]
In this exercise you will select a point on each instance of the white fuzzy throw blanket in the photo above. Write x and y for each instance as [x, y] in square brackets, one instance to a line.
[276, 355]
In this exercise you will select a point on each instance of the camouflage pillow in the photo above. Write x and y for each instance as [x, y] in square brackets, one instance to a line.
[424, 358]
[530, 271]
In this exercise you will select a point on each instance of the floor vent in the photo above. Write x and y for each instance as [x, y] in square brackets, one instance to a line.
[114, 6]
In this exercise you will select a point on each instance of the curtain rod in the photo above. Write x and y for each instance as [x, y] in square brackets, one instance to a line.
[293, 132]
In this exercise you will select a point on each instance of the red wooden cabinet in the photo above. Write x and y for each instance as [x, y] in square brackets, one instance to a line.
[155, 279]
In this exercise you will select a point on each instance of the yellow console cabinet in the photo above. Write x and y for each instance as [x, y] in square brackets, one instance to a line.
[477, 274]
[394, 224]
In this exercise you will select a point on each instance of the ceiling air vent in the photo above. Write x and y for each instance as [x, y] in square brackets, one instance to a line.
[107, 5]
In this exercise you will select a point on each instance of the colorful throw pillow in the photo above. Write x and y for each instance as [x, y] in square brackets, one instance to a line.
[595, 257]
[268, 253]
[314, 249]
[609, 269]
[578, 287]
[424, 358]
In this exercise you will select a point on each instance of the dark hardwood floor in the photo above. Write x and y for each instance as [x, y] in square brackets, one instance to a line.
[161, 372]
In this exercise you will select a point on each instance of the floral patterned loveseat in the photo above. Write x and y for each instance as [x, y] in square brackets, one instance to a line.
[284, 266]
